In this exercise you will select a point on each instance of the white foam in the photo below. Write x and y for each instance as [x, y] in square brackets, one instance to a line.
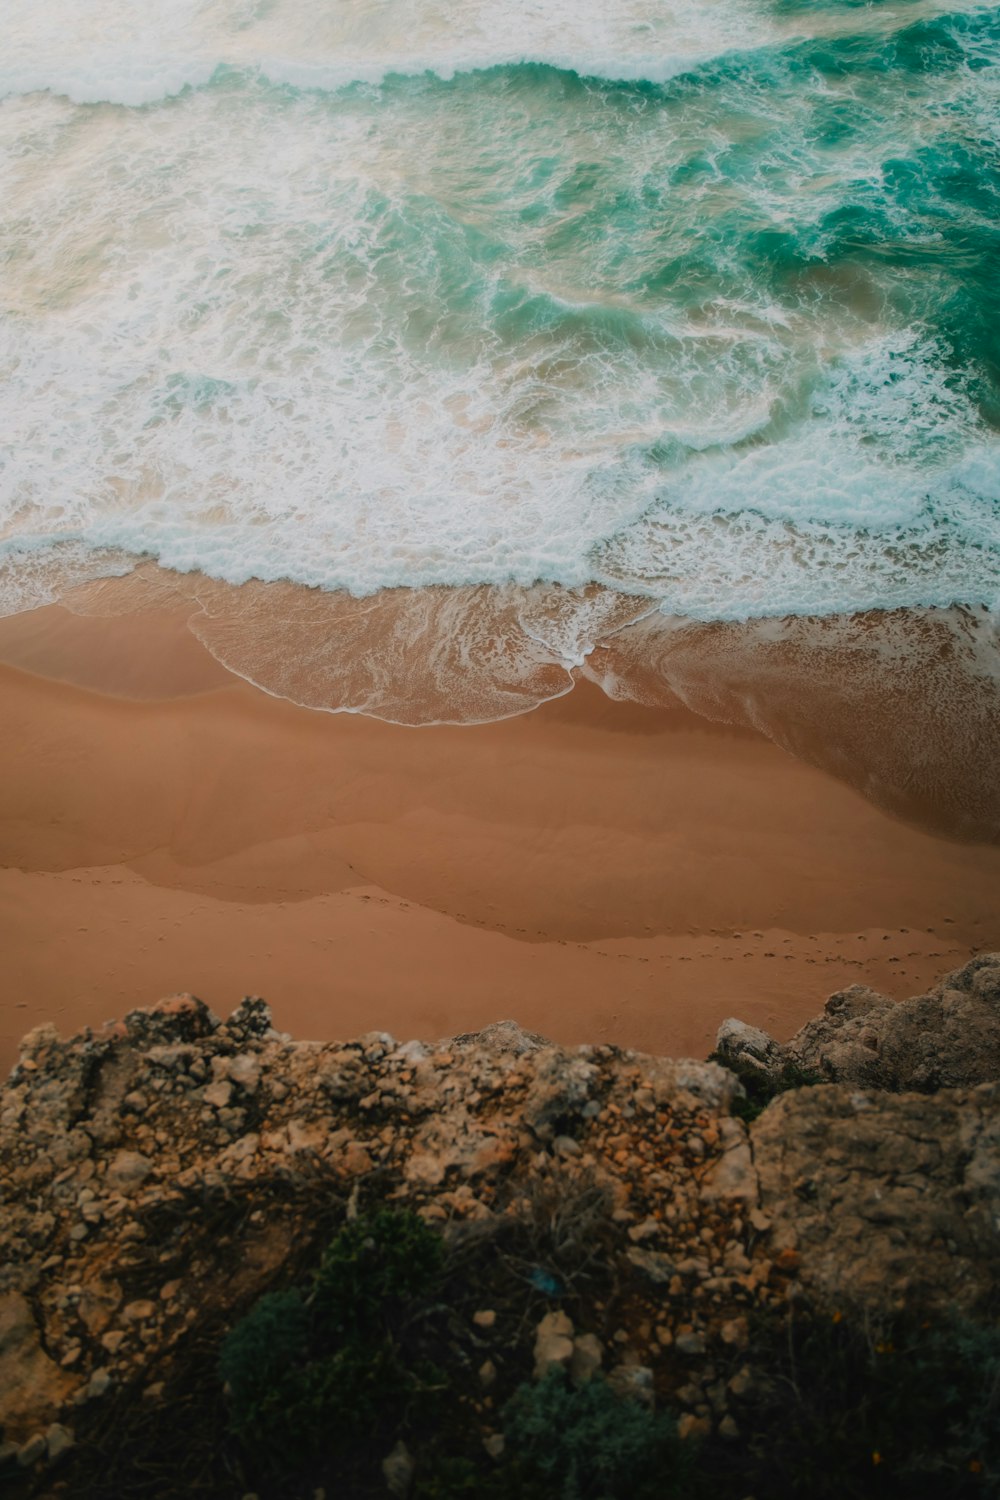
[269, 337]
[127, 52]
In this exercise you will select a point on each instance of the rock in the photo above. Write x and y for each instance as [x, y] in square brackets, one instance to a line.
[503, 1037]
[559, 1088]
[553, 1343]
[691, 1427]
[244, 1070]
[97, 1386]
[139, 1312]
[739, 1043]
[834, 1195]
[733, 1176]
[633, 1383]
[58, 1440]
[127, 1171]
[948, 1038]
[867, 1183]
[735, 1333]
[656, 1267]
[99, 1301]
[33, 1386]
[251, 1018]
[587, 1358]
[218, 1094]
[355, 1160]
[178, 1018]
[397, 1469]
[30, 1452]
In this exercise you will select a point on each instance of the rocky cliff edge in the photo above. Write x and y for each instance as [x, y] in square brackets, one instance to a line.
[174, 1164]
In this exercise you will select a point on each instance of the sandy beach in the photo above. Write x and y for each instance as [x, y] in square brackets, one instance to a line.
[598, 871]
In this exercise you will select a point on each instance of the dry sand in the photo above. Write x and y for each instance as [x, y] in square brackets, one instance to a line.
[595, 870]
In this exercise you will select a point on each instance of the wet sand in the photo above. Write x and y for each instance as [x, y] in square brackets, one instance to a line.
[598, 871]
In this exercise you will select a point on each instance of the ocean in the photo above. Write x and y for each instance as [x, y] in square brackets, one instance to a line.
[568, 313]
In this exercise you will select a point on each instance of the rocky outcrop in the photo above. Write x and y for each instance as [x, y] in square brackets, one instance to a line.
[161, 1174]
[949, 1038]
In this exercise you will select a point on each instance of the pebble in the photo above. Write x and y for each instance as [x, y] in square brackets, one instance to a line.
[397, 1470]
[553, 1343]
[138, 1312]
[30, 1452]
[58, 1440]
[127, 1171]
[634, 1382]
[690, 1426]
[218, 1094]
[735, 1333]
[99, 1383]
[588, 1356]
[244, 1069]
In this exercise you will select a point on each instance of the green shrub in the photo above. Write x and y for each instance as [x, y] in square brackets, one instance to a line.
[308, 1375]
[376, 1264]
[588, 1444]
[333, 1402]
[272, 1340]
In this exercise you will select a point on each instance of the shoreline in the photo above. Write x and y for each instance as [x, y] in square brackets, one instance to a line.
[595, 870]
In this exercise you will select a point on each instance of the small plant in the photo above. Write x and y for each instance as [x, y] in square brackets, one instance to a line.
[308, 1375]
[560, 1232]
[376, 1265]
[271, 1341]
[846, 1409]
[588, 1444]
[760, 1088]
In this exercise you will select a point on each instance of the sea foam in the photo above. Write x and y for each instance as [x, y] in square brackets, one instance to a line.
[701, 310]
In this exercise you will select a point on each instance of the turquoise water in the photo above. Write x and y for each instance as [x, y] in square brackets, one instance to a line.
[702, 304]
